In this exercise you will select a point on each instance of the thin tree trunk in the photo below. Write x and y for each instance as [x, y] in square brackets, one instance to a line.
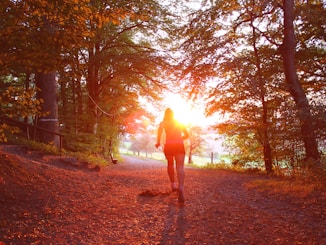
[295, 87]
[190, 156]
[64, 101]
[47, 86]
[92, 86]
[74, 105]
[27, 85]
[80, 104]
[267, 151]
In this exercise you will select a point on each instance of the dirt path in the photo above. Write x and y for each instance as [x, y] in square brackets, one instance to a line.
[46, 201]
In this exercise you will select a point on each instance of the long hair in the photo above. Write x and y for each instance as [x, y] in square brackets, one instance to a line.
[168, 115]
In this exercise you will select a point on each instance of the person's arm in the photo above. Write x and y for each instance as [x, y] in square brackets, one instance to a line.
[185, 133]
[159, 134]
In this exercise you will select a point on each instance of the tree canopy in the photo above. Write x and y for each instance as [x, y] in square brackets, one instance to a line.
[237, 56]
[260, 64]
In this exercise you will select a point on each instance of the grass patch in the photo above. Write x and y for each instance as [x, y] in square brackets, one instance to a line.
[288, 186]
[37, 146]
[94, 159]
[223, 166]
[91, 158]
[300, 182]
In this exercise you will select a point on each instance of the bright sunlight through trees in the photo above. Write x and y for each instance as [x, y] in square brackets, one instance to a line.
[186, 111]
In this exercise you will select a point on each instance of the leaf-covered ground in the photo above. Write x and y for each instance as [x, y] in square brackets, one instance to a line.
[54, 200]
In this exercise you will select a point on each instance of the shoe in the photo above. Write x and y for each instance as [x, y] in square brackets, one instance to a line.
[174, 187]
[181, 197]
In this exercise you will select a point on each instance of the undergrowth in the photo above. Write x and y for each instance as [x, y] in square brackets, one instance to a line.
[298, 182]
[226, 166]
[95, 159]
[289, 186]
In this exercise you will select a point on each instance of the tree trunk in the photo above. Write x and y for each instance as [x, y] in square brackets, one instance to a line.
[266, 144]
[46, 84]
[79, 107]
[92, 86]
[190, 157]
[267, 151]
[64, 102]
[295, 87]
[27, 86]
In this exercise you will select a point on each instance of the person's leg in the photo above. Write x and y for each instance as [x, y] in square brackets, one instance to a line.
[179, 159]
[170, 168]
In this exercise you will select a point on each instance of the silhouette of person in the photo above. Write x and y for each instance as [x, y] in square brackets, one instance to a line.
[174, 150]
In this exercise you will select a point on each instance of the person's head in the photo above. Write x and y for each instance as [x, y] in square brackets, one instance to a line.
[168, 115]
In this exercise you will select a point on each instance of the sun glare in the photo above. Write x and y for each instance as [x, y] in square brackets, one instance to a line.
[184, 111]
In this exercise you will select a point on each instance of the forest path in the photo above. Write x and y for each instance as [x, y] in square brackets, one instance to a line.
[48, 200]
